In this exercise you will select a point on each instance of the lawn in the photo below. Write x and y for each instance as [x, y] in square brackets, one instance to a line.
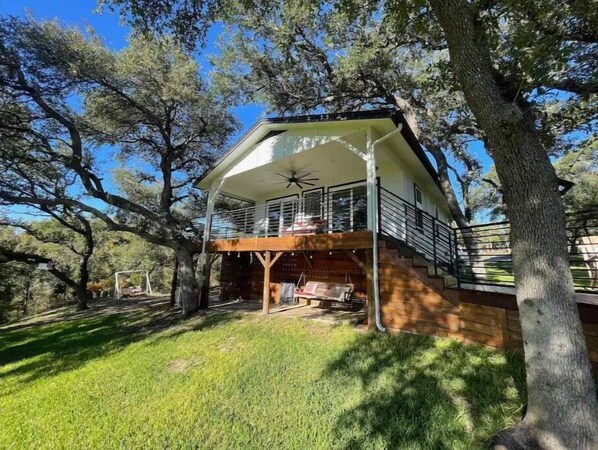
[134, 379]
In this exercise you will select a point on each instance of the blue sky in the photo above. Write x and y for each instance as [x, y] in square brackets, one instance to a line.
[108, 25]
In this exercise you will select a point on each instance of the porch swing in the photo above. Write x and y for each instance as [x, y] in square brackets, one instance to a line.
[324, 291]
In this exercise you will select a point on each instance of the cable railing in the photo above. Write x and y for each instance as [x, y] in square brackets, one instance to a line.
[339, 211]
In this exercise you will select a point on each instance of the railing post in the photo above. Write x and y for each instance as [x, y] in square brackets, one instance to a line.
[451, 243]
[379, 202]
[245, 223]
[434, 245]
[457, 270]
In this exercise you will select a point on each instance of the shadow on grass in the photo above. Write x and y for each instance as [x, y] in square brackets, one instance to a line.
[212, 320]
[49, 349]
[422, 392]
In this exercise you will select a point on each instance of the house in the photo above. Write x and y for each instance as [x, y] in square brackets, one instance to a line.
[351, 199]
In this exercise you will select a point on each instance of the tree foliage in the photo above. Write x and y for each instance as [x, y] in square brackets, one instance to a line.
[74, 101]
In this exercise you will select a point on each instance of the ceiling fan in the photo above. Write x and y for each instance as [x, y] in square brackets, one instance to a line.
[298, 180]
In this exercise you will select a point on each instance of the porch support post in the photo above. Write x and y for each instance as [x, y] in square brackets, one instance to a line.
[267, 262]
[204, 296]
[203, 263]
[266, 297]
[212, 194]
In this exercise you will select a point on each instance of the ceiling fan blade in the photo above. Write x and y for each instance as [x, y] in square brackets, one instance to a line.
[305, 175]
[308, 179]
[282, 182]
[281, 175]
[309, 184]
[289, 184]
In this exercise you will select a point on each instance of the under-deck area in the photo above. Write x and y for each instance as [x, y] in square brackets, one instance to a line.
[337, 314]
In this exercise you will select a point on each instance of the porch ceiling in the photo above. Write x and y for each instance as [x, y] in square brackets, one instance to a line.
[332, 163]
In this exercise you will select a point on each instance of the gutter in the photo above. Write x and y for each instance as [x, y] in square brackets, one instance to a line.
[375, 262]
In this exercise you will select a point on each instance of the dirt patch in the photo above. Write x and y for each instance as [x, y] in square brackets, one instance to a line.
[181, 365]
[229, 345]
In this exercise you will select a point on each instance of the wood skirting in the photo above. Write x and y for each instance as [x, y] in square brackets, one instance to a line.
[410, 299]
[421, 305]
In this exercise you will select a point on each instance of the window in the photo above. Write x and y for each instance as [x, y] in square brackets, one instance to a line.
[419, 207]
[313, 206]
[348, 207]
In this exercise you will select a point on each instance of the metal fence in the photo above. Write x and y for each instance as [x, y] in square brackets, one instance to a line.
[484, 252]
[342, 210]
[477, 255]
[424, 233]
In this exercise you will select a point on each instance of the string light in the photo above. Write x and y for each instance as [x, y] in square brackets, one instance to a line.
[239, 255]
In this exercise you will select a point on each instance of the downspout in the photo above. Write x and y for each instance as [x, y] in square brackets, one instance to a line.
[371, 169]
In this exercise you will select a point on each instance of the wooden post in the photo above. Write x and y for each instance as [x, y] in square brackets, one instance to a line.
[267, 263]
[266, 298]
[503, 331]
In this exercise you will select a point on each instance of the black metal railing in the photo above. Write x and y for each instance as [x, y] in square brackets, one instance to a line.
[417, 229]
[484, 252]
[475, 255]
[335, 212]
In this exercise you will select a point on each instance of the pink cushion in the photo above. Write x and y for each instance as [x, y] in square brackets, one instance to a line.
[310, 288]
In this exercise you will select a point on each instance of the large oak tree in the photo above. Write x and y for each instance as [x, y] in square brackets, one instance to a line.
[506, 56]
[145, 107]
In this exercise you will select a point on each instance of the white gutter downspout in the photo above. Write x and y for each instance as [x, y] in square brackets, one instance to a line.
[373, 212]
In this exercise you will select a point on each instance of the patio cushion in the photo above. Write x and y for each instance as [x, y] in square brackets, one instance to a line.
[339, 292]
[310, 288]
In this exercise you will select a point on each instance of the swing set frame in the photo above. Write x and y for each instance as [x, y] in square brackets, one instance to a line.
[117, 289]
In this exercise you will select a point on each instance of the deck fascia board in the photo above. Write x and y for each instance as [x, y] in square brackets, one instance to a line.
[309, 242]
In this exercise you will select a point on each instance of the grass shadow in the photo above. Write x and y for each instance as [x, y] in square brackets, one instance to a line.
[422, 392]
[47, 349]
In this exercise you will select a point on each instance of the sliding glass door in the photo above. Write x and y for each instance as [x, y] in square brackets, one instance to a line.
[280, 213]
[348, 208]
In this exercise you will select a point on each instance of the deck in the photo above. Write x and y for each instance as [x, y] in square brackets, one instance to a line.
[306, 242]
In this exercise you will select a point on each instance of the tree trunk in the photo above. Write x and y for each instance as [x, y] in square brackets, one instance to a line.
[562, 410]
[173, 284]
[188, 289]
[81, 292]
[27, 293]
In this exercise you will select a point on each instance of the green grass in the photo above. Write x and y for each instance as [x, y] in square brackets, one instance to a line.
[501, 272]
[231, 381]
